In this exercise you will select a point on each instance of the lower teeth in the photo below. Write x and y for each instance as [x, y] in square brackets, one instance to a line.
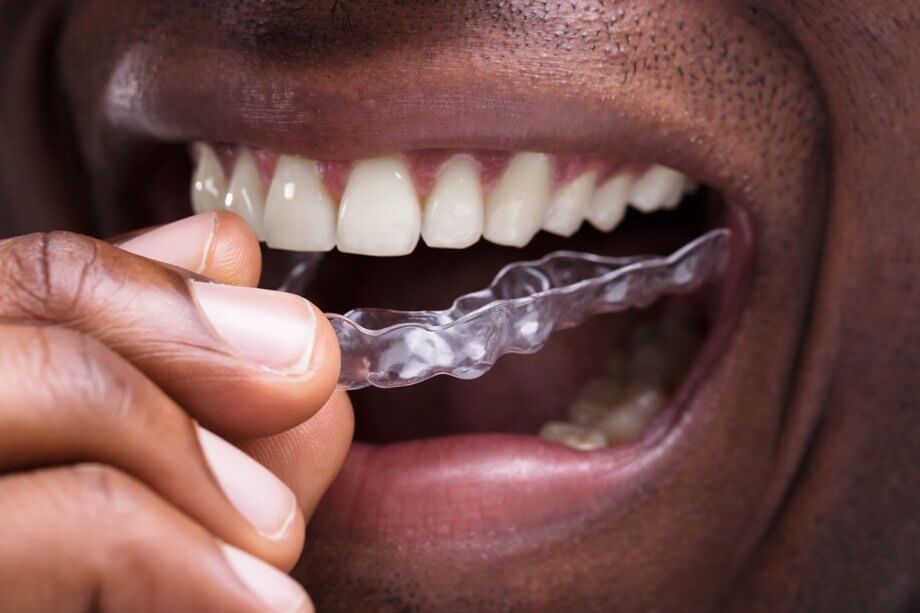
[617, 406]
[571, 435]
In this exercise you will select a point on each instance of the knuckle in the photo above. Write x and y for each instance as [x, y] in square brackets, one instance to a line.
[105, 494]
[47, 275]
[71, 371]
[123, 519]
[116, 513]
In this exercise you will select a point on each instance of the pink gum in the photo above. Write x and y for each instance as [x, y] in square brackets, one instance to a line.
[426, 164]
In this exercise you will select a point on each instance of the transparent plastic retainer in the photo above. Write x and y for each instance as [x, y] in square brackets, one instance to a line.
[517, 313]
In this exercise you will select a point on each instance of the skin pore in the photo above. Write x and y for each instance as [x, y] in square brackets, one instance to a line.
[793, 484]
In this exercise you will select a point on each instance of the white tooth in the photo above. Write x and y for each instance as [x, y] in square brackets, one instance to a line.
[299, 214]
[454, 210]
[658, 188]
[623, 425]
[517, 206]
[209, 185]
[576, 437]
[246, 197]
[626, 420]
[379, 214]
[594, 401]
[609, 204]
[567, 209]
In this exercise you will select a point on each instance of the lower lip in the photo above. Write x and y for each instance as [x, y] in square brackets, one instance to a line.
[498, 486]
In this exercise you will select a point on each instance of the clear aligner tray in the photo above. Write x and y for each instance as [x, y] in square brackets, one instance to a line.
[517, 313]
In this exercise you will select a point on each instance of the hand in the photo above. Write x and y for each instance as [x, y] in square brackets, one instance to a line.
[119, 377]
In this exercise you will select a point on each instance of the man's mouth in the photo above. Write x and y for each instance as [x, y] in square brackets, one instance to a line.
[416, 230]
[668, 430]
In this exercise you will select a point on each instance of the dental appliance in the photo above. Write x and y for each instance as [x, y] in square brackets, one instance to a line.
[517, 313]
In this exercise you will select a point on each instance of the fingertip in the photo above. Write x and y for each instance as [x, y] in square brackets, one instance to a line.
[234, 256]
[308, 458]
[287, 354]
[218, 245]
[275, 589]
[326, 363]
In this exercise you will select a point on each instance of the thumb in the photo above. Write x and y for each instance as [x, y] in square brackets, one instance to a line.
[217, 245]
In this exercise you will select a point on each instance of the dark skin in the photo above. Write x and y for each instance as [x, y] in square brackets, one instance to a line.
[795, 484]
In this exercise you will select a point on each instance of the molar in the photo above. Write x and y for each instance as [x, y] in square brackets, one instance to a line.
[299, 214]
[517, 206]
[245, 196]
[609, 204]
[658, 188]
[569, 205]
[626, 420]
[209, 185]
[454, 209]
[379, 214]
[594, 401]
[620, 413]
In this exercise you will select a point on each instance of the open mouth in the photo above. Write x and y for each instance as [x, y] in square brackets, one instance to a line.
[636, 455]
[416, 230]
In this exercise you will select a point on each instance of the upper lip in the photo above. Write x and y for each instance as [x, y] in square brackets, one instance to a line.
[286, 110]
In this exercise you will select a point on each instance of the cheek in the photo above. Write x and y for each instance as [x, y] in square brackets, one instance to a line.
[309, 456]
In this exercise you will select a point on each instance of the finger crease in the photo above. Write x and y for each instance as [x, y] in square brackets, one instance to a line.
[209, 245]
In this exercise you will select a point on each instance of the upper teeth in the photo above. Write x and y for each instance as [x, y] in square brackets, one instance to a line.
[380, 212]
[517, 206]
[299, 215]
[245, 196]
[569, 206]
[454, 212]
[608, 206]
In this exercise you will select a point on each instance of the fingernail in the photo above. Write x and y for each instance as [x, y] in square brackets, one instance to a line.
[260, 497]
[184, 243]
[274, 588]
[274, 329]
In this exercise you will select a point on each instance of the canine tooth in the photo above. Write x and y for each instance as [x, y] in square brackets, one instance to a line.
[245, 196]
[299, 214]
[517, 206]
[379, 214]
[454, 210]
[568, 207]
[658, 188]
[209, 185]
[608, 207]
[576, 437]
